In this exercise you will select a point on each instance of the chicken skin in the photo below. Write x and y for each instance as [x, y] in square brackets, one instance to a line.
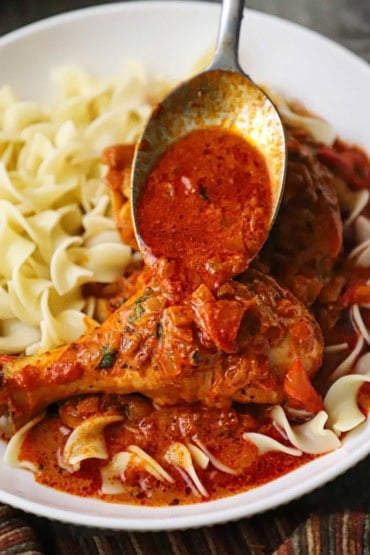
[235, 343]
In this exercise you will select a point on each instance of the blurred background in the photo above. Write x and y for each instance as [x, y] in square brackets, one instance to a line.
[345, 21]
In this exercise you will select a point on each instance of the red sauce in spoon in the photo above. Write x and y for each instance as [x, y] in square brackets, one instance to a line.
[206, 207]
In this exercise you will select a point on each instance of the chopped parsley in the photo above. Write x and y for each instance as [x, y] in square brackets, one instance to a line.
[145, 296]
[138, 312]
[108, 358]
[138, 308]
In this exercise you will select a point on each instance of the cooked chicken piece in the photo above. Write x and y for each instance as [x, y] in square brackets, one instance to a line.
[236, 343]
[307, 235]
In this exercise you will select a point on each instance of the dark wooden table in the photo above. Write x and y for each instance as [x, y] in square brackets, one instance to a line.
[348, 497]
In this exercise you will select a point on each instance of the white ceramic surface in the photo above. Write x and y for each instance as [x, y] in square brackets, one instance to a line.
[168, 38]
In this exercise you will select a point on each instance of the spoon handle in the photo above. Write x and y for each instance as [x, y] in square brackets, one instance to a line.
[226, 54]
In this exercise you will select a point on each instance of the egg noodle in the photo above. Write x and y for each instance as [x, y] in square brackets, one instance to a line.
[56, 226]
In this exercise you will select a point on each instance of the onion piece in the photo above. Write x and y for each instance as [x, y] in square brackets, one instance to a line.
[113, 473]
[265, 443]
[301, 414]
[362, 227]
[179, 455]
[188, 481]
[216, 462]
[336, 348]
[358, 248]
[131, 429]
[362, 198]
[198, 456]
[363, 365]
[151, 464]
[358, 323]
[346, 365]
[363, 258]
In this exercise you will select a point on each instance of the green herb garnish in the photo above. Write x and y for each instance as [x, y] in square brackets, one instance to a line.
[145, 296]
[139, 309]
[138, 312]
[108, 358]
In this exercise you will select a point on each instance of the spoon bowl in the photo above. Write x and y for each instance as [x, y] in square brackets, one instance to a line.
[221, 96]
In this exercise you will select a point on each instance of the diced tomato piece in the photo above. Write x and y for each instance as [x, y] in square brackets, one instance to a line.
[357, 294]
[300, 390]
[351, 164]
[218, 319]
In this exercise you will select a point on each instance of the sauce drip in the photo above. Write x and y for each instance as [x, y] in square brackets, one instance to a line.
[209, 196]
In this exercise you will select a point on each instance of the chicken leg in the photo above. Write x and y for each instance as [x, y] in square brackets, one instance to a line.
[235, 343]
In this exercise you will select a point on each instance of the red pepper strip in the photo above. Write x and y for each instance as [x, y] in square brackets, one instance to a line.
[352, 165]
[357, 294]
[300, 390]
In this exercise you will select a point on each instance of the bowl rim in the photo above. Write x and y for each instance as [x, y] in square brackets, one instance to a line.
[160, 523]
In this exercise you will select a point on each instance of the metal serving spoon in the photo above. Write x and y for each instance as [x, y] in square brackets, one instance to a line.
[222, 95]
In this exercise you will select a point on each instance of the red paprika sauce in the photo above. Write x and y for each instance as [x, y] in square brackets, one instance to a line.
[206, 207]
[153, 429]
[208, 197]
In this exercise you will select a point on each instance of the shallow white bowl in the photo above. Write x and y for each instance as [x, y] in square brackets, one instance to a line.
[168, 38]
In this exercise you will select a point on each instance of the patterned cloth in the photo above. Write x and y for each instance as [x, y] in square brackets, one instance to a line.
[343, 533]
[334, 520]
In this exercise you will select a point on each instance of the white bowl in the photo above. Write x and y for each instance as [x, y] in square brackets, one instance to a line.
[168, 38]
